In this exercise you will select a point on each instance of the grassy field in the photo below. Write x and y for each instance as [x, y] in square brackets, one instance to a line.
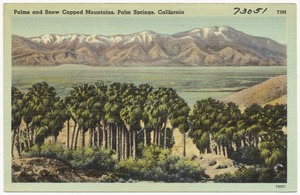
[192, 83]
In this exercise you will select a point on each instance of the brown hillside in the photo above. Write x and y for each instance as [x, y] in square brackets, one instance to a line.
[271, 91]
[281, 100]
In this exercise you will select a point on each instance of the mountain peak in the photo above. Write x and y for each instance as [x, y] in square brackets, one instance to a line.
[148, 32]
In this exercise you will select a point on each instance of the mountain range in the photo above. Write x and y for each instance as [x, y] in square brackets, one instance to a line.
[210, 46]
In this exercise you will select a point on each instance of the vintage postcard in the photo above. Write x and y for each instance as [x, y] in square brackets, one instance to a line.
[150, 97]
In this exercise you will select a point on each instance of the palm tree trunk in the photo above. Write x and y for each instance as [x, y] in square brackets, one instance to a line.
[90, 137]
[222, 150]
[158, 136]
[13, 142]
[117, 143]
[104, 139]
[184, 145]
[165, 138]
[120, 141]
[111, 136]
[172, 135]
[209, 149]
[134, 144]
[95, 137]
[123, 143]
[83, 138]
[18, 142]
[154, 136]
[108, 136]
[76, 138]
[32, 136]
[126, 144]
[130, 143]
[145, 136]
[148, 137]
[233, 145]
[242, 142]
[99, 134]
[68, 133]
[255, 141]
[73, 134]
[27, 136]
[225, 151]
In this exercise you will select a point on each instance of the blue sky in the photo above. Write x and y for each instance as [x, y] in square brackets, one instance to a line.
[271, 27]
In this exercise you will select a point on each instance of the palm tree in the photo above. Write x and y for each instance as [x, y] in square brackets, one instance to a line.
[160, 110]
[100, 100]
[273, 145]
[204, 123]
[38, 101]
[16, 115]
[143, 94]
[180, 119]
[151, 115]
[52, 123]
[80, 105]
[112, 110]
[251, 119]
[225, 128]
[70, 102]
[68, 117]
[131, 114]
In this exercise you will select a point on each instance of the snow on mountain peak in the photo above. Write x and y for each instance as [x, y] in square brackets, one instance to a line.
[141, 37]
[207, 32]
[92, 39]
[196, 30]
[116, 38]
[147, 32]
[47, 38]
[223, 28]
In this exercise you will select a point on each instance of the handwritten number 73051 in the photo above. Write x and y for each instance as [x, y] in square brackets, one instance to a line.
[249, 11]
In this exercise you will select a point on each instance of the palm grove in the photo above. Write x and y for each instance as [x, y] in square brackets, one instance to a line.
[122, 116]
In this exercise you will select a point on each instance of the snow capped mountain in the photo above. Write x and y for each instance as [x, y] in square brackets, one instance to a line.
[55, 39]
[197, 47]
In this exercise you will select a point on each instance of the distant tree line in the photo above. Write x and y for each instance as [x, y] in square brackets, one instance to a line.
[121, 116]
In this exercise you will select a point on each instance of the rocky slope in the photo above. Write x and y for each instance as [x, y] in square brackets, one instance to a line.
[272, 91]
[210, 46]
[43, 170]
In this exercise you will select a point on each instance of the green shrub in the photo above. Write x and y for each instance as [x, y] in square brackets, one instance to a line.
[109, 178]
[87, 158]
[242, 176]
[264, 175]
[97, 158]
[33, 152]
[155, 164]
[188, 171]
[248, 156]
[247, 176]
[158, 164]
[225, 178]
[52, 151]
